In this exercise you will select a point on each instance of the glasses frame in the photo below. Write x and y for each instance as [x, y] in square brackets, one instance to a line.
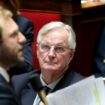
[60, 49]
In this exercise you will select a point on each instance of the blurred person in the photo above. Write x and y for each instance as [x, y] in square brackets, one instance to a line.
[99, 55]
[56, 43]
[27, 28]
[11, 45]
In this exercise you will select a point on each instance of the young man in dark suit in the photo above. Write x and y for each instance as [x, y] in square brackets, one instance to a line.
[27, 29]
[56, 43]
[99, 55]
[11, 45]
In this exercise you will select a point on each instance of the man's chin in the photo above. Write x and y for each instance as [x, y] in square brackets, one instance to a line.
[52, 68]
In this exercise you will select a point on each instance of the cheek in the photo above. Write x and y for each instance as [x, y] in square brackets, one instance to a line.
[40, 56]
[11, 47]
[11, 50]
[7, 51]
[64, 60]
[11, 43]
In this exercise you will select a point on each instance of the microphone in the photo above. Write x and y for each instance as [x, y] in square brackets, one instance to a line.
[38, 87]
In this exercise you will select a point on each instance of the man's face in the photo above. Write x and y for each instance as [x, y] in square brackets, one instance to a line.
[53, 52]
[11, 43]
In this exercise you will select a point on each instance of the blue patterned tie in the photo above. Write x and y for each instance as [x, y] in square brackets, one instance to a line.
[47, 89]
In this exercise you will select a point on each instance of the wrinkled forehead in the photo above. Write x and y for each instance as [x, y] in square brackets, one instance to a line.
[56, 36]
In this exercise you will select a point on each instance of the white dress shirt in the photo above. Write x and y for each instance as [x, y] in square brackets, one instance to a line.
[4, 73]
[51, 86]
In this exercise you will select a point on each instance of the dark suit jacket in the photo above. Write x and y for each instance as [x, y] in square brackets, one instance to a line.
[7, 96]
[27, 28]
[99, 55]
[28, 94]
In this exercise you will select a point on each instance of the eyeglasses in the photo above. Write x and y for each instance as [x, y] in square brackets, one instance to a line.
[57, 48]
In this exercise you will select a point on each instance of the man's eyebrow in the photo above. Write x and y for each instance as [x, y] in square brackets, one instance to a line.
[14, 32]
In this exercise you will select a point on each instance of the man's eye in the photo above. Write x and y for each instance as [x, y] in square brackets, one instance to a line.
[59, 49]
[45, 47]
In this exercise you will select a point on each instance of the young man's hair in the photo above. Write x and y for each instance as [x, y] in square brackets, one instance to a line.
[4, 14]
[12, 5]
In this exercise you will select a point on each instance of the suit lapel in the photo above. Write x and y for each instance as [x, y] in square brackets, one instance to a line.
[20, 81]
[65, 81]
[11, 93]
[69, 78]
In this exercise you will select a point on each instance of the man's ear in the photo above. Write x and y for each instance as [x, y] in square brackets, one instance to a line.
[37, 49]
[36, 46]
[71, 54]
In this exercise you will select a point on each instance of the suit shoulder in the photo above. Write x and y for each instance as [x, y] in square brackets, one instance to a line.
[77, 77]
[22, 19]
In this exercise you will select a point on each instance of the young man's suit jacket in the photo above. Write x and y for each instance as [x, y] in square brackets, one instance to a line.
[28, 94]
[7, 96]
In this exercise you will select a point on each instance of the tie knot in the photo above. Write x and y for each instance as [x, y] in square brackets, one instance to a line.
[47, 89]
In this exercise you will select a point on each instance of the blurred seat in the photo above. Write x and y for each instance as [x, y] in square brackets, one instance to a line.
[39, 19]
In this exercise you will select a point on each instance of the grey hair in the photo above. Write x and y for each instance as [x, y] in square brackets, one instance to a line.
[56, 24]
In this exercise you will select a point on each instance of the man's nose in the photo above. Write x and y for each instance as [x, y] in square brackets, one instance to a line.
[52, 51]
[22, 38]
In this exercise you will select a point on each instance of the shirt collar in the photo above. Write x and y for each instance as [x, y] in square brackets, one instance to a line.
[4, 73]
[51, 85]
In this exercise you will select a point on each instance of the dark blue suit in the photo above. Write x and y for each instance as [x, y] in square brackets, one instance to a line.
[27, 28]
[99, 55]
[28, 94]
[7, 96]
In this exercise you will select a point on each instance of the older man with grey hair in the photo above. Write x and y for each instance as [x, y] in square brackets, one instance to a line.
[56, 43]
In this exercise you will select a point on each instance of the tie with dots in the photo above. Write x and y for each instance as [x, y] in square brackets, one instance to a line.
[47, 90]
